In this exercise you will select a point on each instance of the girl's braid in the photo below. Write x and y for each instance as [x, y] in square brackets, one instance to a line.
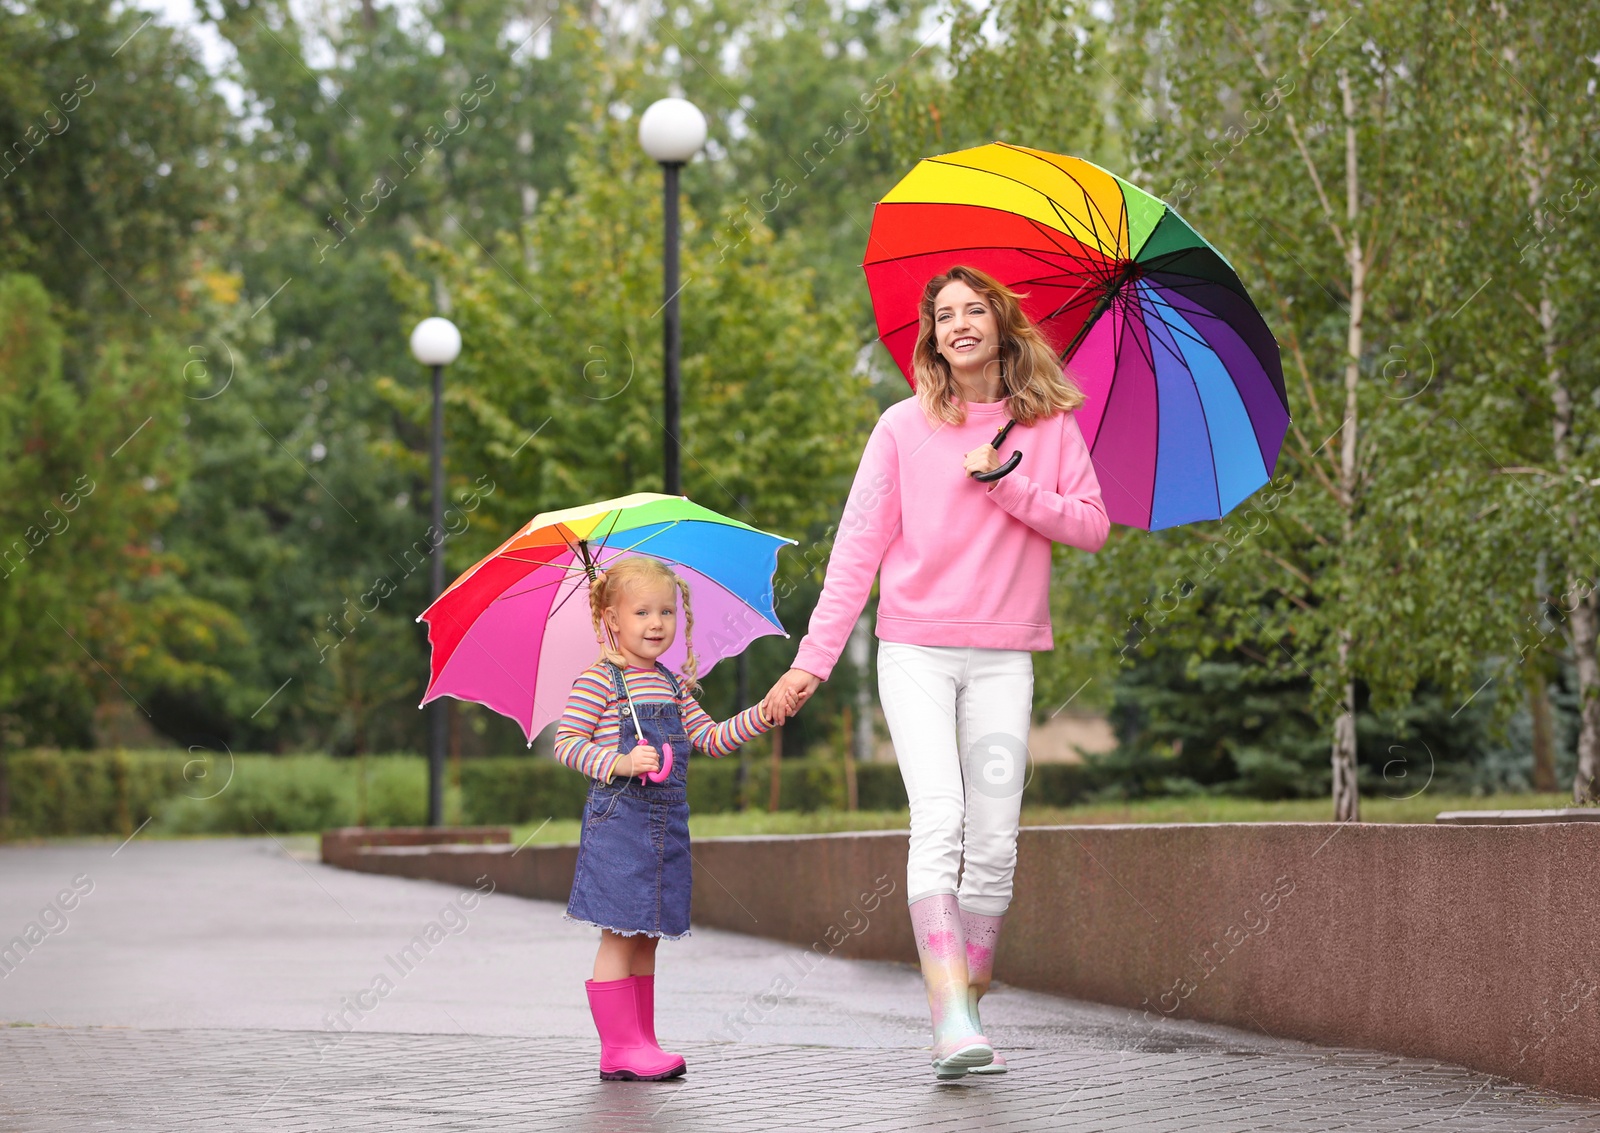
[691, 661]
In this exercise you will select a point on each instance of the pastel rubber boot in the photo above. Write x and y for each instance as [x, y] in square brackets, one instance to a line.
[958, 1046]
[983, 937]
[624, 1054]
[644, 993]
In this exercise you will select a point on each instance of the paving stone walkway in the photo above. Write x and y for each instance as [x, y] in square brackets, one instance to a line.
[225, 985]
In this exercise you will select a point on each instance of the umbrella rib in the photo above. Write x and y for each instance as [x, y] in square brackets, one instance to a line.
[616, 519]
[1179, 281]
[1193, 332]
[568, 597]
[1092, 206]
[727, 590]
[1053, 235]
[948, 251]
[1202, 311]
[569, 571]
[1055, 206]
[1156, 391]
[1072, 177]
[1145, 354]
[1120, 332]
[1189, 332]
[676, 562]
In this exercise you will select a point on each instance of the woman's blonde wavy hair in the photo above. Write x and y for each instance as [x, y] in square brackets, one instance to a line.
[1030, 373]
[610, 587]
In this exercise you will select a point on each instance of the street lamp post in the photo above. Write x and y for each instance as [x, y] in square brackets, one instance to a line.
[436, 342]
[671, 131]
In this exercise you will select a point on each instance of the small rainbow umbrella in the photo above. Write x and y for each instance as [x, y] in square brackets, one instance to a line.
[514, 632]
[1185, 409]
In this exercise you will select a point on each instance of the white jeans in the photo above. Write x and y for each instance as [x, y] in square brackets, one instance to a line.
[959, 720]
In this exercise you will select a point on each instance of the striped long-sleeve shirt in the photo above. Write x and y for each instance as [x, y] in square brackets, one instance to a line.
[589, 731]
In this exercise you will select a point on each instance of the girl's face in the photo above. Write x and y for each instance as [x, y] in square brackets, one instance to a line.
[964, 327]
[645, 621]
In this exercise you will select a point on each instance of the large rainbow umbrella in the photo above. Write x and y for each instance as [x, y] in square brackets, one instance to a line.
[1186, 409]
[514, 632]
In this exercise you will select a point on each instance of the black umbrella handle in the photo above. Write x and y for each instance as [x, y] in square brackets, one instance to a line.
[1011, 462]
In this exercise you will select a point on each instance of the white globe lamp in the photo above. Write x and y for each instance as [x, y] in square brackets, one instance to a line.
[672, 130]
[435, 342]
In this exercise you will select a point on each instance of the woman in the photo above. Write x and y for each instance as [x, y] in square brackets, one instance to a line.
[963, 600]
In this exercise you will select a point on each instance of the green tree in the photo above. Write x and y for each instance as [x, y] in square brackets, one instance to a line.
[110, 178]
[557, 394]
[1316, 151]
[94, 606]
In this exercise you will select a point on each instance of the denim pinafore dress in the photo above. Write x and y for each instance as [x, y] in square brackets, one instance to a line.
[633, 874]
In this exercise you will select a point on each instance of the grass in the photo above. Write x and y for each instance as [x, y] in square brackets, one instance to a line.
[1204, 808]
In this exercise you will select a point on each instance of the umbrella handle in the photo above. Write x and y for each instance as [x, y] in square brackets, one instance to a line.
[1011, 462]
[660, 775]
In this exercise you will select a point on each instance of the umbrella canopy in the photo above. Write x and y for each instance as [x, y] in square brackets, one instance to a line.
[1185, 409]
[514, 632]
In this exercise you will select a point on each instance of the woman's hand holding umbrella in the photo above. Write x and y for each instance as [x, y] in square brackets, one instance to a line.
[982, 459]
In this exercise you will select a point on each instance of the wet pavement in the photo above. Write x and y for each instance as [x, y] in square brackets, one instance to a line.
[240, 984]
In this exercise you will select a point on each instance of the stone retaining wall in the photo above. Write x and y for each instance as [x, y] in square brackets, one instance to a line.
[1476, 945]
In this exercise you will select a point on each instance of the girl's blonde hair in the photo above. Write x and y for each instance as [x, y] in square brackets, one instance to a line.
[607, 590]
[1030, 373]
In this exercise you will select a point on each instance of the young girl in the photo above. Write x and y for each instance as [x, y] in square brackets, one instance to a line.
[633, 873]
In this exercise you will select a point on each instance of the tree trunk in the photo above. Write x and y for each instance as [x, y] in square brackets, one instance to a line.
[1346, 794]
[852, 799]
[5, 792]
[777, 769]
[1581, 620]
[1585, 616]
[861, 658]
[1544, 739]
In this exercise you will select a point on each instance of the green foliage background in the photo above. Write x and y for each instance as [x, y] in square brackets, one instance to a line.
[209, 264]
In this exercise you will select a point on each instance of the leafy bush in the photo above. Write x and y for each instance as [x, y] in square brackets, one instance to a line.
[101, 792]
[519, 790]
[113, 792]
[297, 793]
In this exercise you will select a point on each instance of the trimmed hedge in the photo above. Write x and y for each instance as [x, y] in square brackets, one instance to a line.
[113, 792]
[297, 793]
[101, 792]
[516, 790]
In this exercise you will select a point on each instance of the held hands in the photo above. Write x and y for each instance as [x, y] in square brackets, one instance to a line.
[984, 458]
[789, 695]
[640, 761]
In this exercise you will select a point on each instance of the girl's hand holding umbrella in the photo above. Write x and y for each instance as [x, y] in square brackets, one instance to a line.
[641, 761]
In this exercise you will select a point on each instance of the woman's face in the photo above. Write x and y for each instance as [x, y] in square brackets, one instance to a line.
[964, 327]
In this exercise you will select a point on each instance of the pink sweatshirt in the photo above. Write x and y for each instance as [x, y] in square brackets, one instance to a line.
[963, 563]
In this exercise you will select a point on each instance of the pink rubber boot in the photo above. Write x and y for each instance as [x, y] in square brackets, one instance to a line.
[625, 1056]
[644, 993]
[983, 937]
[941, 945]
